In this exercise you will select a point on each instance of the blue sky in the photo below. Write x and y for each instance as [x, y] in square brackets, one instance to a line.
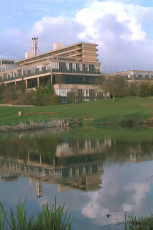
[122, 29]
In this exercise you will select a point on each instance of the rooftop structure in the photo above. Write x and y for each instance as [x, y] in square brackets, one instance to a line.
[84, 52]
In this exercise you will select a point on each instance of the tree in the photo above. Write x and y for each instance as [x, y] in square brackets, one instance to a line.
[144, 90]
[117, 86]
[49, 88]
[151, 90]
[2, 89]
[102, 83]
[114, 84]
[23, 87]
[132, 89]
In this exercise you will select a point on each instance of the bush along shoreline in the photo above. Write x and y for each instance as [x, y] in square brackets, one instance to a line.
[49, 218]
[70, 122]
[129, 123]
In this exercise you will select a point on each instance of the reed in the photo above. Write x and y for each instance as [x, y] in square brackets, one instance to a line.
[22, 126]
[49, 218]
[137, 223]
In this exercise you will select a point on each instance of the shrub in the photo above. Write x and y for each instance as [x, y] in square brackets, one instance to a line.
[130, 122]
[56, 100]
[24, 97]
[144, 90]
[151, 90]
[132, 89]
[122, 122]
[47, 99]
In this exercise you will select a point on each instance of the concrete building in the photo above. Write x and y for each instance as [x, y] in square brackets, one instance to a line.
[137, 76]
[70, 68]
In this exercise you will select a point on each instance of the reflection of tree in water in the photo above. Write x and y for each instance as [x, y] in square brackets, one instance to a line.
[74, 150]
[19, 148]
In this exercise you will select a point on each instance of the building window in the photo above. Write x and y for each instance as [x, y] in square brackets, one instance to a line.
[87, 92]
[67, 66]
[74, 66]
[80, 67]
[97, 68]
[55, 65]
[87, 67]
[83, 79]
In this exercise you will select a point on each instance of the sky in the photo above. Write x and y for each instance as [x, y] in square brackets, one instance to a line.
[122, 29]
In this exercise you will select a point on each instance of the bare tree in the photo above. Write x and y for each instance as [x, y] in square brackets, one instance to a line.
[113, 84]
[102, 83]
[117, 86]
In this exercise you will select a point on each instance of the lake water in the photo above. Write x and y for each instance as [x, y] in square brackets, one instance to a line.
[94, 171]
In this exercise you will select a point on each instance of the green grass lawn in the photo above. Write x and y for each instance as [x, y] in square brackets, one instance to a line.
[102, 111]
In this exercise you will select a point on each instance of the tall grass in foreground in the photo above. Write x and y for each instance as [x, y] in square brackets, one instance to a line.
[49, 218]
[136, 223]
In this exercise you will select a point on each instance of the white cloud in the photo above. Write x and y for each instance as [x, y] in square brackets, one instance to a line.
[56, 29]
[118, 28]
[126, 14]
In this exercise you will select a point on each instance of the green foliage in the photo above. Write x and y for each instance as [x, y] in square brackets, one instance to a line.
[132, 89]
[144, 90]
[56, 100]
[47, 99]
[137, 223]
[151, 90]
[37, 98]
[49, 218]
[23, 86]
[129, 123]
[43, 95]
[49, 88]
[2, 88]
[122, 122]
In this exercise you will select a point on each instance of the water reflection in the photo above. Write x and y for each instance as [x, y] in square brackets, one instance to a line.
[76, 166]
[104, 170]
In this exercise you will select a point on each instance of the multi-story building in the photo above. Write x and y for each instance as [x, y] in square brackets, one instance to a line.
[70, 68]
[137, 76]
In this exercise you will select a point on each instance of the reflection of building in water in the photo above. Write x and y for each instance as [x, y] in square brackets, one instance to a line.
[39, 189]
[83, 176]
[82, 146]
[76, 165]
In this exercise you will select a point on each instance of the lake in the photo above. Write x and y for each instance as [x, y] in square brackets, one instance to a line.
[96, 172]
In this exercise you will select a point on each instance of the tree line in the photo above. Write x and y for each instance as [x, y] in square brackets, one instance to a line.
[17, 94]
[117, 85]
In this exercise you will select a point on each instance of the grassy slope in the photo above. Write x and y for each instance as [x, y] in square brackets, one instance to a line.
[103, 111]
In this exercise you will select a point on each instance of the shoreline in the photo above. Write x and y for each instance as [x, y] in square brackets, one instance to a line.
[67, 123]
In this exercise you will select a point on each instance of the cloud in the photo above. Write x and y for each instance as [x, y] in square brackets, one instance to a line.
[56, 29]
[119, 28]
[123, 189]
